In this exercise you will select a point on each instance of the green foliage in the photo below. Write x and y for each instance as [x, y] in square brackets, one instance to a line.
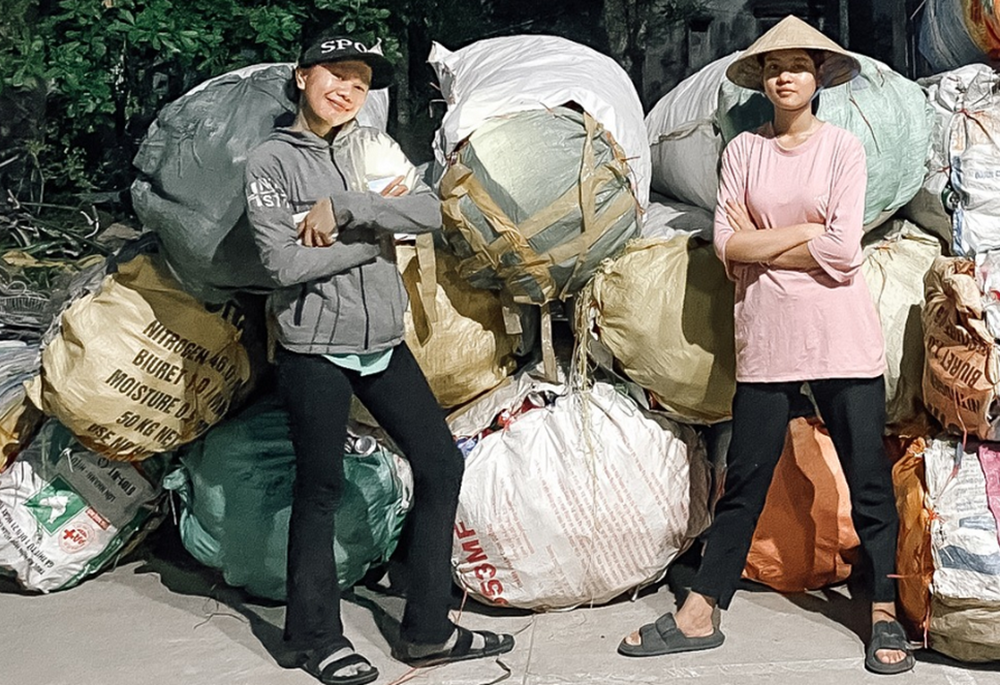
[107, 66]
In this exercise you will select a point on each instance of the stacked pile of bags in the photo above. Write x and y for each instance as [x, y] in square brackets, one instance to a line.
[586, 480]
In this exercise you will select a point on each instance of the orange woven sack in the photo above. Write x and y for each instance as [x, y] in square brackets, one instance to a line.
[804, 538]
[914, 563]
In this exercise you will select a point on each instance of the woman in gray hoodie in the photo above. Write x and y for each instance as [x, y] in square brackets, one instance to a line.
[324, 198]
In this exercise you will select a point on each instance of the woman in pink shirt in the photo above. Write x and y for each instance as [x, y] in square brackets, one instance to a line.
[788, 227]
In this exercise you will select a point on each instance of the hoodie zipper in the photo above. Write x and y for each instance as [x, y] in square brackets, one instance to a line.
[361, 268]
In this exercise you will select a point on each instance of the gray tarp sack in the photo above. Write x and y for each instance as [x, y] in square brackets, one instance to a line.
[189, 189]
[235, 488]
[887, 112]
[534, 201]
[944, 39]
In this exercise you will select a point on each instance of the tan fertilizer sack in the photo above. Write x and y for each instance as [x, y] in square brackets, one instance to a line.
[463, 348]
[140, 366]
[665, 312]
[960, 365]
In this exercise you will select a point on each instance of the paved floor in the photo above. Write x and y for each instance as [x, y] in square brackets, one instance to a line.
[163, 620]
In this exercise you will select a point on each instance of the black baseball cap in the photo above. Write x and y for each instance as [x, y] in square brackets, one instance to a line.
[334, 48]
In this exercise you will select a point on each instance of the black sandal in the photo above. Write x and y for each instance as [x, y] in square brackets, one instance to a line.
[327, 675]
[463, 650]
[888, 635]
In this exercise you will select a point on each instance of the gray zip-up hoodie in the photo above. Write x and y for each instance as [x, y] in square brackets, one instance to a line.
[349, 297]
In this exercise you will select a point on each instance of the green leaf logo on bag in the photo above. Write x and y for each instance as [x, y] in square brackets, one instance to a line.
[55, 504]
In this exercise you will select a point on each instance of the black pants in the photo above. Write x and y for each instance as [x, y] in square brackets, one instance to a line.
[317, 395]
[854, 413]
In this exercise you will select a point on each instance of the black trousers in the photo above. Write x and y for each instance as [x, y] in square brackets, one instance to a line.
[854, 413]
[317, 396]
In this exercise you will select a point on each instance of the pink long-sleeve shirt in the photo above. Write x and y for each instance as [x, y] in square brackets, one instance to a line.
[794, 325]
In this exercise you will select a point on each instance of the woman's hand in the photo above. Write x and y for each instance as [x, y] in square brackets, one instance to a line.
[319, 227]
[395, 188]
[739, 217]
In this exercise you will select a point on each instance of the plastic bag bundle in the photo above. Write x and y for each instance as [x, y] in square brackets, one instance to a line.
[235, 489]
[886, 111]
[804, 538]
[66, 512]
[684, 139]
[575, 499]
[139, 366]
[466, 349]
[502, 76]
[957, 32]
[664, 310]
[963, 498]
[19, 361]
[533, 202]
[894, 269]
[189, 188]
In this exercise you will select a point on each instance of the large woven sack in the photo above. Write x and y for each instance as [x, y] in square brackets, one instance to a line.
[576, 502]
[887, 112]
[966, 114]
[894, 269]
[666, 218]
[140, 366]
[502, 76]
[235, 489]
[957, 32]
[65, 512]
[466, 349]
[664, 310]
[19, 419]
[684, 139]
[914, 563]
[189, 188]
[960, 358]
[805, 538]
[533, 201]
[965, 603]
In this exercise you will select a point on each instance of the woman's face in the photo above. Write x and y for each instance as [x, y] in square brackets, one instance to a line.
[333, 92]
[789, 78]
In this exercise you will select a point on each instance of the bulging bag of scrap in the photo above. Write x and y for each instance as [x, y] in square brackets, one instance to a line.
[666, 218]
[960, 359]
[189, 188]
[65, 512]
[685, 140]
[966, 108]
[894, 269]
[464, 348]
[957, 32]
[19, 419]
[235, 490]
[575, 500]
[887, 112]
[546, 163]
[963, 497]
[139, 366]
[664, 311]
[805, 538]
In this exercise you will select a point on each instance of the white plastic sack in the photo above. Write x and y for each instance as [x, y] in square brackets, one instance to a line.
[965, 588]
[966, 111]
[65, 512]
[685, 142]
[500, 76]
[577, 502]
[666, 218]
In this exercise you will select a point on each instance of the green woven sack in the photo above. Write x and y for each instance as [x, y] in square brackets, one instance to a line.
[534, 201]
[235, 489]
[886, 111]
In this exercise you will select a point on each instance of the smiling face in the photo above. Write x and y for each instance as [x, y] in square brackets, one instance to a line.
[332, 93]
[789, 78]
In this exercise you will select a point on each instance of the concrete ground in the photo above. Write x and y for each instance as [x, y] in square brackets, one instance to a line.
[161, 619]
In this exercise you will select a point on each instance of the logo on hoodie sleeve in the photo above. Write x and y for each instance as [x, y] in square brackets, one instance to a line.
[265, 193]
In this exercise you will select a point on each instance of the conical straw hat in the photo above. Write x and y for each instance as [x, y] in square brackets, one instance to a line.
[838, 66]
